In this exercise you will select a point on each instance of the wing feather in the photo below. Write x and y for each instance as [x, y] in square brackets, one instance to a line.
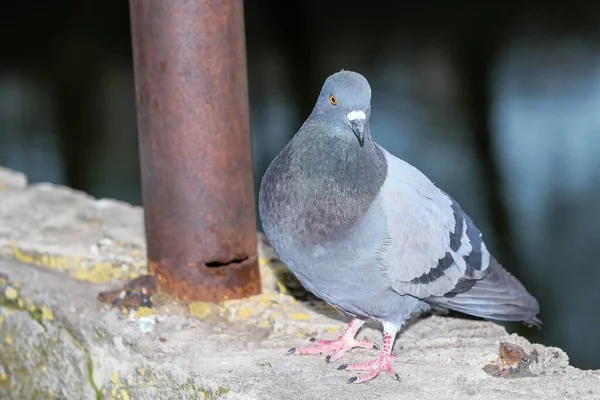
[435, 252]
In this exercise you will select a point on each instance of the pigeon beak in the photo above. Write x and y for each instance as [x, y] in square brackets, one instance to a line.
[358, 127]
[357, 123]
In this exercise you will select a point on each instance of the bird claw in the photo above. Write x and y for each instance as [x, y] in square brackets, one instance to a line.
[338, 346]
[372, 369]
[355, 378]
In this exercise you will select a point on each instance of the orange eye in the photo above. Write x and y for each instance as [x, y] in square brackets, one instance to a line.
[332, 100]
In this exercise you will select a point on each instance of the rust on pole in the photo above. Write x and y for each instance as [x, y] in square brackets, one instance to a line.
[195, 147]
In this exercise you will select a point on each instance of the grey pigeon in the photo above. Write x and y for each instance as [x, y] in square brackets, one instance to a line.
[372, 235]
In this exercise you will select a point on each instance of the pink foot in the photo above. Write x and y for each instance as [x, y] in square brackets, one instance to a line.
[375, 367]
[339, 346]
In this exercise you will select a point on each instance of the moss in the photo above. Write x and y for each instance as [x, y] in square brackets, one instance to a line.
[13, 365]
[9, 356]
[208, 394]
[90, 365]
[16, 303]
[38, 316]
[222, 390]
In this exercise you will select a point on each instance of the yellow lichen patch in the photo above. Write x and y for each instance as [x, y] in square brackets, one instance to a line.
[21, 304]
[47, 313]
[300, 335]
[144, 312]
[275, 315]
[100, 272]
[11, 293]
[115, 378]
[3, 377]
[245, 312]
[299, 316]
[268, 300]
[271, 296]
[3, 186]
[1, 319]
[264, 323]
[124, 394]
[8, 339]
[21, 256]
[203, 395]
[200, 309]
[331, 329]
[263, 261]
[59, 263]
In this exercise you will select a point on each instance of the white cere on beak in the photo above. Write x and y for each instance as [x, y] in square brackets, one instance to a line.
[356, 115]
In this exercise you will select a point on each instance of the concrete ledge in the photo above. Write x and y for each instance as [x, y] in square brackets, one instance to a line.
[57, 341]
[96, 240]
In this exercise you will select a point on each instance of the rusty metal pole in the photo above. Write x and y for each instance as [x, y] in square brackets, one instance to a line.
[195, 148]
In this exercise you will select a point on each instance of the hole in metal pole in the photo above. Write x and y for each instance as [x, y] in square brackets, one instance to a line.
[216, 264]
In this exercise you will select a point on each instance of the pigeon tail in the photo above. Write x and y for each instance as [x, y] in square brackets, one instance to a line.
[497, 296]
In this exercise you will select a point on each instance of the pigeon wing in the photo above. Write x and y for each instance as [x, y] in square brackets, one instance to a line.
[434, 252]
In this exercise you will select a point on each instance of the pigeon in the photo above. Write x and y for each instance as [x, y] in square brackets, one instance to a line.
[371, 235]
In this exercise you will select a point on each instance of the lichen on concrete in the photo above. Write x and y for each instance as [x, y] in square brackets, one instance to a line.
[38, 359]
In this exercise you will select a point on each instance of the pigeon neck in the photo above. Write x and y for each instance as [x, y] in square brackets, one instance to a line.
[320, 187]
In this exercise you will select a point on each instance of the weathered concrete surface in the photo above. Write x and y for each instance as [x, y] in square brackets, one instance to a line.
[97, 240]
[238, 350]
[58, 341]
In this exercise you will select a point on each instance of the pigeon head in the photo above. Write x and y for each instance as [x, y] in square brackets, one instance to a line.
[345, 104]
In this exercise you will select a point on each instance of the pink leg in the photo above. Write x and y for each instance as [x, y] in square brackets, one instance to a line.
[374, 367]
[339, 346]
